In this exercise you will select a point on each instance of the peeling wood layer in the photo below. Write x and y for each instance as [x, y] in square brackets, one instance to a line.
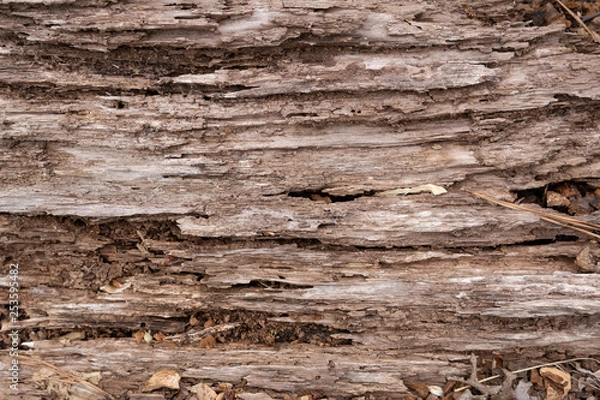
[224, 160]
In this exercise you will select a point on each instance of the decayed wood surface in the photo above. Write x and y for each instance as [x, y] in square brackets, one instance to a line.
[175, 147]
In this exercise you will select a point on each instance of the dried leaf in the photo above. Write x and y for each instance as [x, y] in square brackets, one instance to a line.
[522, 390]
[434, 189]
[254, 396]
[165, 378]
[536, 378]
[159, 337]
[225, 386]
[82, 391]
[92, 377]
[436, 390]
[112, 289]
[203, 392]
[562, 378]
[207, 342]
[139, 336]
[194, 321]
[420, 388]
[75, 335]
[554, 199]
[148, 337]
[557, 383]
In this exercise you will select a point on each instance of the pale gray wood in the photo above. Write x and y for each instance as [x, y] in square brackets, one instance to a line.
[164, 145]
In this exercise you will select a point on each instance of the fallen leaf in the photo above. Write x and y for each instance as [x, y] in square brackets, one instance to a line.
[434, 189]
[420, 388]
[159, 336]
[448, 388]
[466, 395]
[207, 342]
[81, 391]
[554, 394]
[92, 377]
[112, 289]
[194, 321]
[522, 390]
[139, 336]
[436, 391]
[203, 392]
[557, 383]
[224, 386]
[562, 378]
[535, 377]
[75, 335]
[165, 378]
[554, 199]
[254, 396]
[148, 337]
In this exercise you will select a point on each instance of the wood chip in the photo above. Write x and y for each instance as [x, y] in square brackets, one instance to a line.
[557, 383]
[165, 378]
[203, 392]
[419, 388]
[434, 189]
[208, 342]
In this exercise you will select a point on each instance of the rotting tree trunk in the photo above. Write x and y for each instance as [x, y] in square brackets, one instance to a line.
[222, 162]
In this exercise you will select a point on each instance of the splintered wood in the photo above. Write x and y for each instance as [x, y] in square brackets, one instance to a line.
[275, 195]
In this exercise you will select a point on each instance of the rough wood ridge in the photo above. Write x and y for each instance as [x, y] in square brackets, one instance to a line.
[222, 160]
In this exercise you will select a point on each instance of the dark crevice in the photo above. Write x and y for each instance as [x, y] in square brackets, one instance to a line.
[324, 197]
[270, 284]
[574, 197]
[542, 242]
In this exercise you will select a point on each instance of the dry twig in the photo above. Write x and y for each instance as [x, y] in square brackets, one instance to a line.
[568, 222]
[593, 34]
[67, 376]
[491, 378]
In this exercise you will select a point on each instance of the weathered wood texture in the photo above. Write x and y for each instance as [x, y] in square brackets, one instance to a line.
[175, 147]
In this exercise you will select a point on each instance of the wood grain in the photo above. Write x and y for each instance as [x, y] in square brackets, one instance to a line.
[223, 158]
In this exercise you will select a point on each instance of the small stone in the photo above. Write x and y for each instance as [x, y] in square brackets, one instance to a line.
[586, 261]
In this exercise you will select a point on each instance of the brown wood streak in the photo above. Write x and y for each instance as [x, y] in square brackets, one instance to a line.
[175, 148]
